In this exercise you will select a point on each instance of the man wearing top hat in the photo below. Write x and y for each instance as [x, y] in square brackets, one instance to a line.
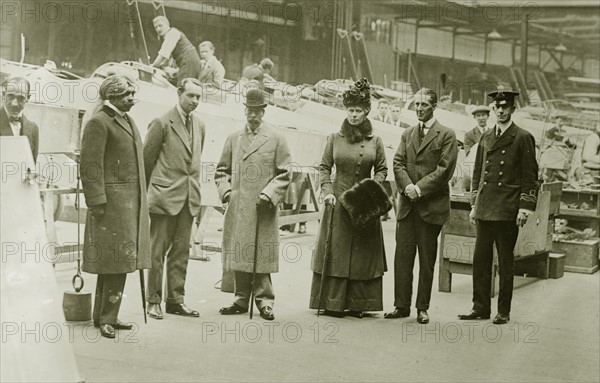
[480, 113]
[252, 176]
[503, 194]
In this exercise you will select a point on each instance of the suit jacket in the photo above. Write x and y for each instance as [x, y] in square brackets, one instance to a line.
[387, 119]
[112, 174]
[28, 129]
[471, 138]
[172, 160]
[213, 72]
[505, 176]
[430, 166]
[247, 168]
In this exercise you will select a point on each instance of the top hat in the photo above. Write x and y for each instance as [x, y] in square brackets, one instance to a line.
[480, 109]
[503, 97]
[255, 98]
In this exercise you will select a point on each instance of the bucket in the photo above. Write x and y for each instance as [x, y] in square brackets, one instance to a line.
[77, 305]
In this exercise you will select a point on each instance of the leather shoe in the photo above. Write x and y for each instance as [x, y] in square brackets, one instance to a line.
[107, 331]
[181, 309]
[267, 313]
[397, 313]
[122, 325]
[501, 318]
[154, 311]
[474, 315]
[422, 316]
[233, 309]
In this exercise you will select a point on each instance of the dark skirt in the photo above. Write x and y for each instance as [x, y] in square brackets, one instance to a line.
[341, 294]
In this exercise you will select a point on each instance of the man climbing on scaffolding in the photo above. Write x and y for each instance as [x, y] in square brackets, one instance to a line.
[176, 44]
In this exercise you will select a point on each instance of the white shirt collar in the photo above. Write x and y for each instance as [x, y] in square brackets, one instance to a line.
[504, 126]
[182, 114]
[428, 123]
[119, 112]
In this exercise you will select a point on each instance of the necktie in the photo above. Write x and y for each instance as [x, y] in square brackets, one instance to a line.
[498, 133]
[15, 119]
[188, 124]
[422, 130]
[126, 118]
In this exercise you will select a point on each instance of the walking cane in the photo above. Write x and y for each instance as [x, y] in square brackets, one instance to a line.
[326, 256]
[252, 292]
[143, 288]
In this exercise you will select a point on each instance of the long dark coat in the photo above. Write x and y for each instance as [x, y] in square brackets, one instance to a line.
[354, 254]
[505, 177]
[112, 173]
[246, 169]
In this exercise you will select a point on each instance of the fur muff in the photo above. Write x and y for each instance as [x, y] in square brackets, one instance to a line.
[365, 201]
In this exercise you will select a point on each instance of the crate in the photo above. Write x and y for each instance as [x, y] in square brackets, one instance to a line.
[557, 265]
[581, 256]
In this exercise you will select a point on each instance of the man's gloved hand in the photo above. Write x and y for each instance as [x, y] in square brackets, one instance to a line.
[263, 201]
[329, 199]
[97, 211]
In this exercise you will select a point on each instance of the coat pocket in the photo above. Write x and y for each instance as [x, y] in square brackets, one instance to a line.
[161, 181]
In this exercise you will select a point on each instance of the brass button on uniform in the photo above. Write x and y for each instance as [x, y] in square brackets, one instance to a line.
[500, 173]
[486, 172]
[499, 183]
[485, 182]
[504, 151]
[360, 154]
[501, 162]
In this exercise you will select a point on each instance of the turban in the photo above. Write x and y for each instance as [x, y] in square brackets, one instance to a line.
[115, 86]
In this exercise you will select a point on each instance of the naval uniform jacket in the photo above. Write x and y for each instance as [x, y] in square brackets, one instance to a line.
[505, 177]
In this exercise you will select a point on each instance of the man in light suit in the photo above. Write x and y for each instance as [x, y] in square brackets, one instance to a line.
[172, 157]
[212, 71]
[423, 166]
[16, 92]
[504, 193]
[480, 113]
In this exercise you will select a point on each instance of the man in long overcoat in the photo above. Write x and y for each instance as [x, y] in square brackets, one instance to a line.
[172, 154]
[423, 165]
[252, 176]
[117, 232]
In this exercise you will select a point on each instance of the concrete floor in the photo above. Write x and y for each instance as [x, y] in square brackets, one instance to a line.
[553, 334]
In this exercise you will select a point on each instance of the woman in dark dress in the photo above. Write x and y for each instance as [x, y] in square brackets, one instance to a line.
[356, 260]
